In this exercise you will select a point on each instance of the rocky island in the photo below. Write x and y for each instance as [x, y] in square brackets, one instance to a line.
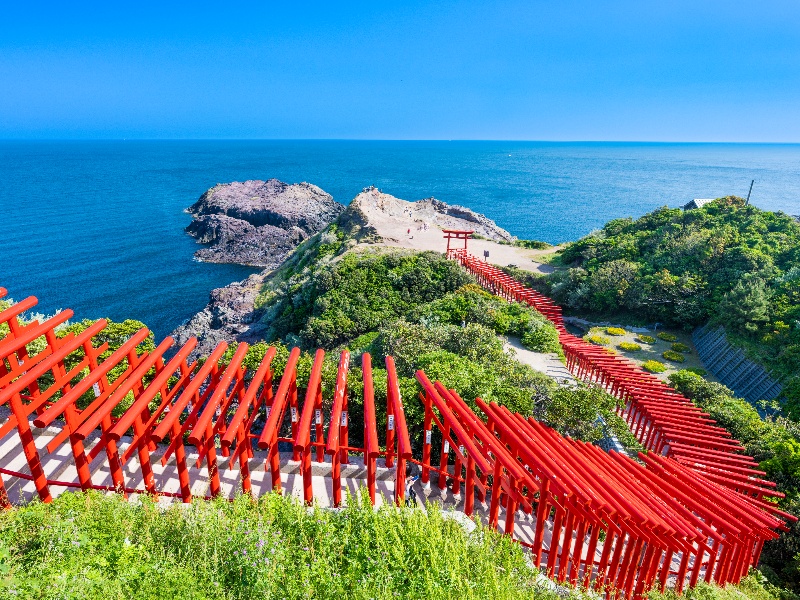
[258, 223]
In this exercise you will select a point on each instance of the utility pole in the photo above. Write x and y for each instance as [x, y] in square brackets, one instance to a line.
[748, 193]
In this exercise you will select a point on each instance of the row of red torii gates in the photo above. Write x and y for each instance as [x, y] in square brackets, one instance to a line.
[732, 499]
[602, 520]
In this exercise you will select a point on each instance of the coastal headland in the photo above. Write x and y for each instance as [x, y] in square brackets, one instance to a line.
[260, 223]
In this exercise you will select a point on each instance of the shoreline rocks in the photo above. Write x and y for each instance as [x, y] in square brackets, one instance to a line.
[258, 223]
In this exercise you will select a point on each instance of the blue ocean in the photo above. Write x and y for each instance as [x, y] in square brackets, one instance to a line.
[97, 226]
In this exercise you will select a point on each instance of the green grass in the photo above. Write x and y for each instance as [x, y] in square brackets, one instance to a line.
[86, 546]
[752, 587]
[697, 371]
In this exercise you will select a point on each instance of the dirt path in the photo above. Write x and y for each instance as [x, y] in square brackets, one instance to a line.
[549, 364]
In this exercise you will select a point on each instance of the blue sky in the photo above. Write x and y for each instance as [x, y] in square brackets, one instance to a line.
[651, 71]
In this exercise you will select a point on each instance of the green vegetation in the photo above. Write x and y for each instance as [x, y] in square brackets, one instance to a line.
[697, 371]
[725, 263]
[775, 444]
[617, 425]
[679, 347]
[667, 337]
[646, 339]
[532, 244]
[597, 339]
[673, 356]
[654, 366]
[327, 305]
[753, 587]
[89, 546]
[115, 335]
[615, 331]
[629, 346]
[428, 313]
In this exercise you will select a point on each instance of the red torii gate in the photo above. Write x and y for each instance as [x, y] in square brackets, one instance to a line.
[456, 234]
[696, 511]
[177, 402]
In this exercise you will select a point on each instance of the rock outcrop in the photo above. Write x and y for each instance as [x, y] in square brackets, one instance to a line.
[229, 315]
[258, 223]
[245, 221]
[378, 215]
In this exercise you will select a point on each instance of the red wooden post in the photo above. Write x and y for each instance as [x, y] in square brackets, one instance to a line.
[345, 428]
[403, 440]
[427, 439]
[469, 487]
[302, 443]
[390, 427]
[444, 457]
[333, 447]
[371, 448]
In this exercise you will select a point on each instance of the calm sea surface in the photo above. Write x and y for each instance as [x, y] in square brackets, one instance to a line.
[98, 226]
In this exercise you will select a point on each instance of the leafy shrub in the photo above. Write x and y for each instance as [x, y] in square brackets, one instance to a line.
[654, 366]
[615, 331]
[646, 339]
[598, 339]
[727, 263]
[629, 346]
[90, 546]
[540, 338]
[357, 294]
[673, 356]
[532, 244]
[471, 304]
[753, 587]
[697, 371]
[617, 425]
[667, 337]
[679, 347]
[360, 293]
[472, 361]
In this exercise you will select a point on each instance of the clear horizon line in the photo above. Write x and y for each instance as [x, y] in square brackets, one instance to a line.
[335, 139]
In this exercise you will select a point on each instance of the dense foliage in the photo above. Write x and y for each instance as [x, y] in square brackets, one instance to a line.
[775, 444]
[326, 305]
[725, 262]
[753, 587]
[426, 312]
[89, 546]
[472, 361]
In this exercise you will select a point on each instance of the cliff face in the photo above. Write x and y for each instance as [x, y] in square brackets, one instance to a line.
[258, 222]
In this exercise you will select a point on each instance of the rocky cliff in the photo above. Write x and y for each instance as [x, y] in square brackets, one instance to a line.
[258, 223]
[238, 221]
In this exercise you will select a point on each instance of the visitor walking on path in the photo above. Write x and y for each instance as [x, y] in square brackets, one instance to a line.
[411, 478]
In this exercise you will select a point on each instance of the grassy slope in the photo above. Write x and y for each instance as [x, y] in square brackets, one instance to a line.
[87, 546]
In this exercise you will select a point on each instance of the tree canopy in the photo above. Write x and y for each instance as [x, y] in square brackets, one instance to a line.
[726, 263]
